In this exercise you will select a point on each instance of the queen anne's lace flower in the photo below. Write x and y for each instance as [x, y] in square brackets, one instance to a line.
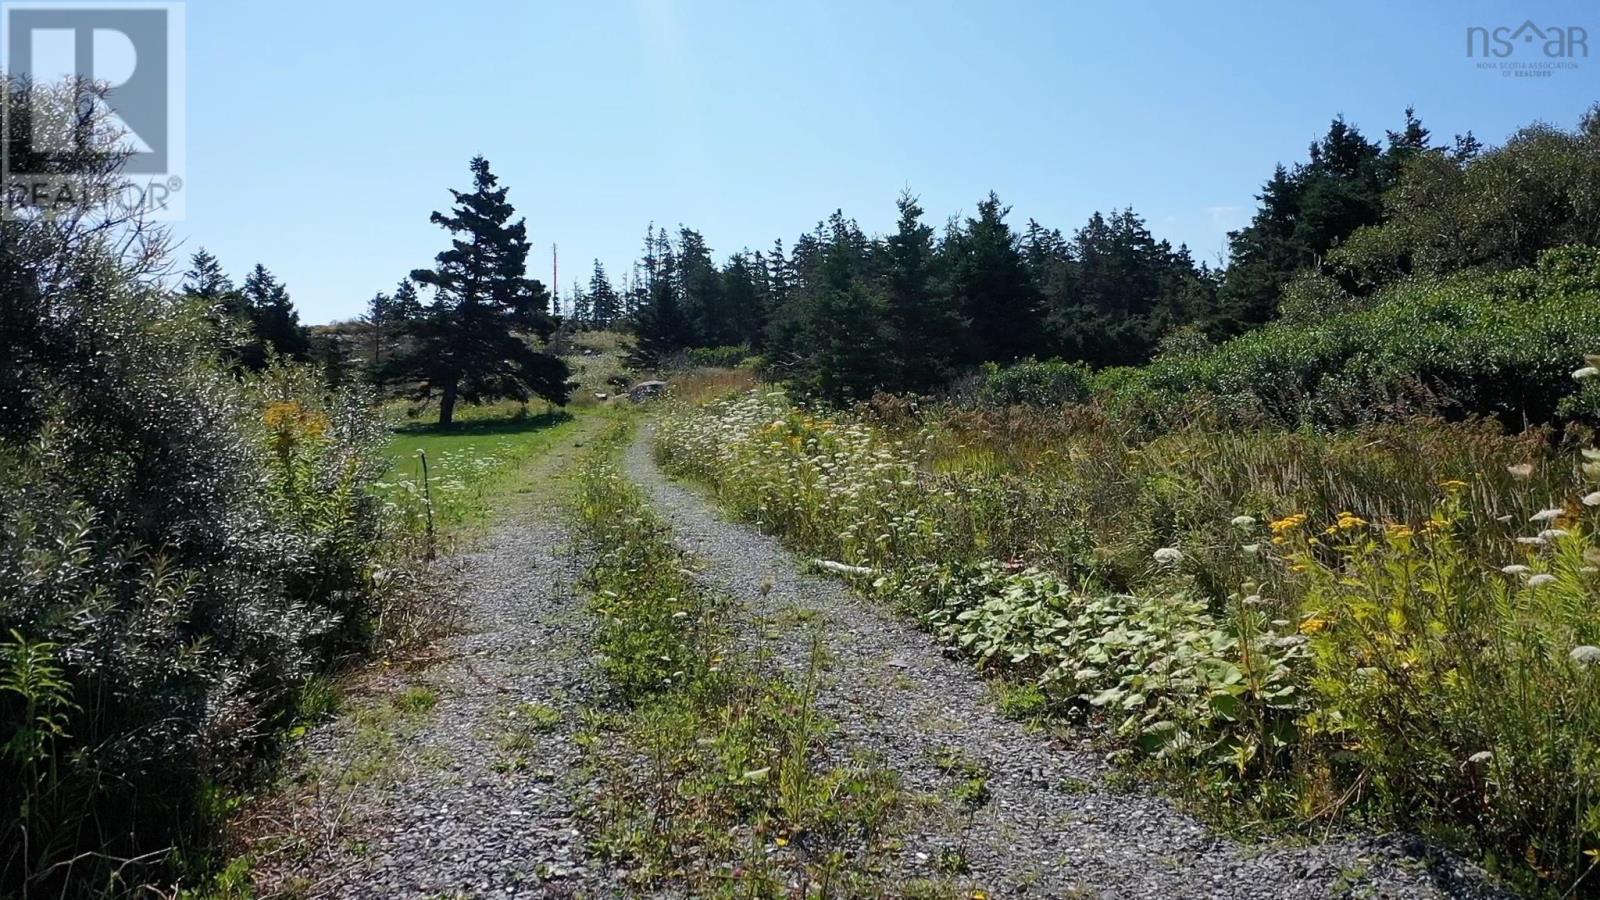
[1169, 556]
[1541, 579]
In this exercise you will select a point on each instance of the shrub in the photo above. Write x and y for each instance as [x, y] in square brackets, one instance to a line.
[1034, 383]
[181, 548]
[728, 357]
[1471, 344]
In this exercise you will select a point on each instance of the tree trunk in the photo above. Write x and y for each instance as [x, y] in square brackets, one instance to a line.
[447, 405]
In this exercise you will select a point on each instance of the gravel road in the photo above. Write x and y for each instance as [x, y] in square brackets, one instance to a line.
[481, 801]
[1051, 826]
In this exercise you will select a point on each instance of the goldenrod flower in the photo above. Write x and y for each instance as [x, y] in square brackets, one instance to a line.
[1287, 523]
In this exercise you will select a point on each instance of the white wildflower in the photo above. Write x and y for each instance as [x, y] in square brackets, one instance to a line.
[1592, 499]
[1251, 549]
[1169, 556]
[1532, 541]
[1585, 655]
[1551, 534]
[1516, 569]
[1548, 515]
[1481, 757]
[1541, 579]
[1585, 372]
[1244, 521]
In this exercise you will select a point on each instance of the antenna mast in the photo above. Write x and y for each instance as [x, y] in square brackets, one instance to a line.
[555, 281]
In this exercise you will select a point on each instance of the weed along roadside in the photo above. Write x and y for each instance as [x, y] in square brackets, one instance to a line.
[1363, 671]
[716, 774]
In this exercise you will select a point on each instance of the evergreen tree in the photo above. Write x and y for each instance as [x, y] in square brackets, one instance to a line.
[274, 322]
[205, 279]
[848, 344]
[582, 310]
[379, 316]
[660, 328]
[1305, 213]
[699, 286]
[405, 305]
[474, 340]
[993, 289]
[605, 304]
[921, 320]
[742, 301]
[206, 282]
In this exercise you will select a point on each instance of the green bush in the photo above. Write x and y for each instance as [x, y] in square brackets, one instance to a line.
[728, 357]
[181, 547]
[1470, 345]
[1051, 382]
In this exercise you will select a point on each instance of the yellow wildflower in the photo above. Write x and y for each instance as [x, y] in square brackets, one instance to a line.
[1454, 484]
[1347, 521]
[1313, 624]
[1287, 523]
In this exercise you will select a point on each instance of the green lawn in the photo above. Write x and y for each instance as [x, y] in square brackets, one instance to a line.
[467, 463]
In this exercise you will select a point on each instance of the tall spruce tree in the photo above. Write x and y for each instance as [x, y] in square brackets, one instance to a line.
[475, 340]
[924, 324]
[274, 322]
[847, 342]
[205, 279]
[1306, 212]
[993, 289]
[380, 315]
[660, 328]
[604, 303]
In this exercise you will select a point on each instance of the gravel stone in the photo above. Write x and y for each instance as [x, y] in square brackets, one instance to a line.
[456, 821]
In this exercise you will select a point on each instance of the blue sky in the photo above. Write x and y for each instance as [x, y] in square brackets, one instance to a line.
[321, 135]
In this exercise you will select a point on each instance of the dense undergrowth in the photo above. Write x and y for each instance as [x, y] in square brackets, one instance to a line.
[716, 773]
[1471, 344]
[1394, 625]
[185, 550]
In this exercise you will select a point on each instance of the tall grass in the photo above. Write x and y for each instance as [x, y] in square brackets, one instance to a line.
[1297, 627]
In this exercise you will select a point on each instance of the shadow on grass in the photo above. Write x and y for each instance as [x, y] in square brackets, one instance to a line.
[515, 423]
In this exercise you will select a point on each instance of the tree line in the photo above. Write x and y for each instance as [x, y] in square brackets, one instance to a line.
[841, 314]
